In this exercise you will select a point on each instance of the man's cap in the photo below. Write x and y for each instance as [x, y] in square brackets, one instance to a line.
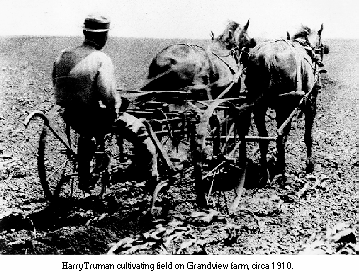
[96, 23]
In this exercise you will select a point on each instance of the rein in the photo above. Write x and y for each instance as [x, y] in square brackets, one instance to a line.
[157, 77]
[236, 74]
[170, 70]
[231, 52]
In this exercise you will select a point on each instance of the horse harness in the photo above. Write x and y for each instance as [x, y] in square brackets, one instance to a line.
[307, 47]
[232, 52]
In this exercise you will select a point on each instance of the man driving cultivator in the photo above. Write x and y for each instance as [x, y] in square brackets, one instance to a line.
[85, 88]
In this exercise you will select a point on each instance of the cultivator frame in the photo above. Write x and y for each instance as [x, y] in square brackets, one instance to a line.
[197, 122]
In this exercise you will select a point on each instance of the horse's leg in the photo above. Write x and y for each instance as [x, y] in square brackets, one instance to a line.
[259, 119]
[281, 115]
[242, 160]
[310, 112]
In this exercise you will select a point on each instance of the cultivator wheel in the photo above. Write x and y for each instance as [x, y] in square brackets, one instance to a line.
[176, 144]
[57, 166]
[224, 162]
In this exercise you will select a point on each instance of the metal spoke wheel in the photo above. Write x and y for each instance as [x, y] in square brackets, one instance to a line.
[176, 145]
[57, 165]
[224, 161]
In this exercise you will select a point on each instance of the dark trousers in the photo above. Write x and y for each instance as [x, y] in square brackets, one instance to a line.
[92, 128]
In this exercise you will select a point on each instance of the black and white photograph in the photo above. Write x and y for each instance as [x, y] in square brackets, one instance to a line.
[192, 127]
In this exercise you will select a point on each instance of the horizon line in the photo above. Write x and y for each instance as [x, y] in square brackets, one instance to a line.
[165, 38]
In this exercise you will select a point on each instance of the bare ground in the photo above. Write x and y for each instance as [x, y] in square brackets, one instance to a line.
[313, 214]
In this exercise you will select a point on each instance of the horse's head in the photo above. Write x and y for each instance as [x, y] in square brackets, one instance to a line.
[314, 38]
[305, 33]
[235, 38]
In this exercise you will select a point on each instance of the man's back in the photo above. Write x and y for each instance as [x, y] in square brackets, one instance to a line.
[83, 78]
[75, 77]
[85, 88]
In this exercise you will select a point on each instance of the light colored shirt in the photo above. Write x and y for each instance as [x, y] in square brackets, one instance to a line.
[84, 78]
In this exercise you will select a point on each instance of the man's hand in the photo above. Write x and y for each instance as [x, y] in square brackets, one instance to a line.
[123, 105]
[101, 105]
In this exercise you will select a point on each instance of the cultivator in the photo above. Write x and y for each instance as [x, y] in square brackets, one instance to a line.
[208, 135]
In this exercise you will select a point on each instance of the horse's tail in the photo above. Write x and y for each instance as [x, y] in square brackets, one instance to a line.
[258, 76]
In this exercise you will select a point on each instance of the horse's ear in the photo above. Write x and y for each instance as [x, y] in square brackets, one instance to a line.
[288, 36]
[246, 26]
[212, 35]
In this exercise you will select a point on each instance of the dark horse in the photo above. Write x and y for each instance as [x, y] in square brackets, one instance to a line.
[204, 71]
[278, 67]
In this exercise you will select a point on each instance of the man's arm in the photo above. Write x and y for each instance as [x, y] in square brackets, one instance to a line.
[106, 85]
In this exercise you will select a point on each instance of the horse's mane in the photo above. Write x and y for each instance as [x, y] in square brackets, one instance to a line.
[303, 32]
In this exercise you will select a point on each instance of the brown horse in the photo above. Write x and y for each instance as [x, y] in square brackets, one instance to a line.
[277, 67]
[206, 72]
